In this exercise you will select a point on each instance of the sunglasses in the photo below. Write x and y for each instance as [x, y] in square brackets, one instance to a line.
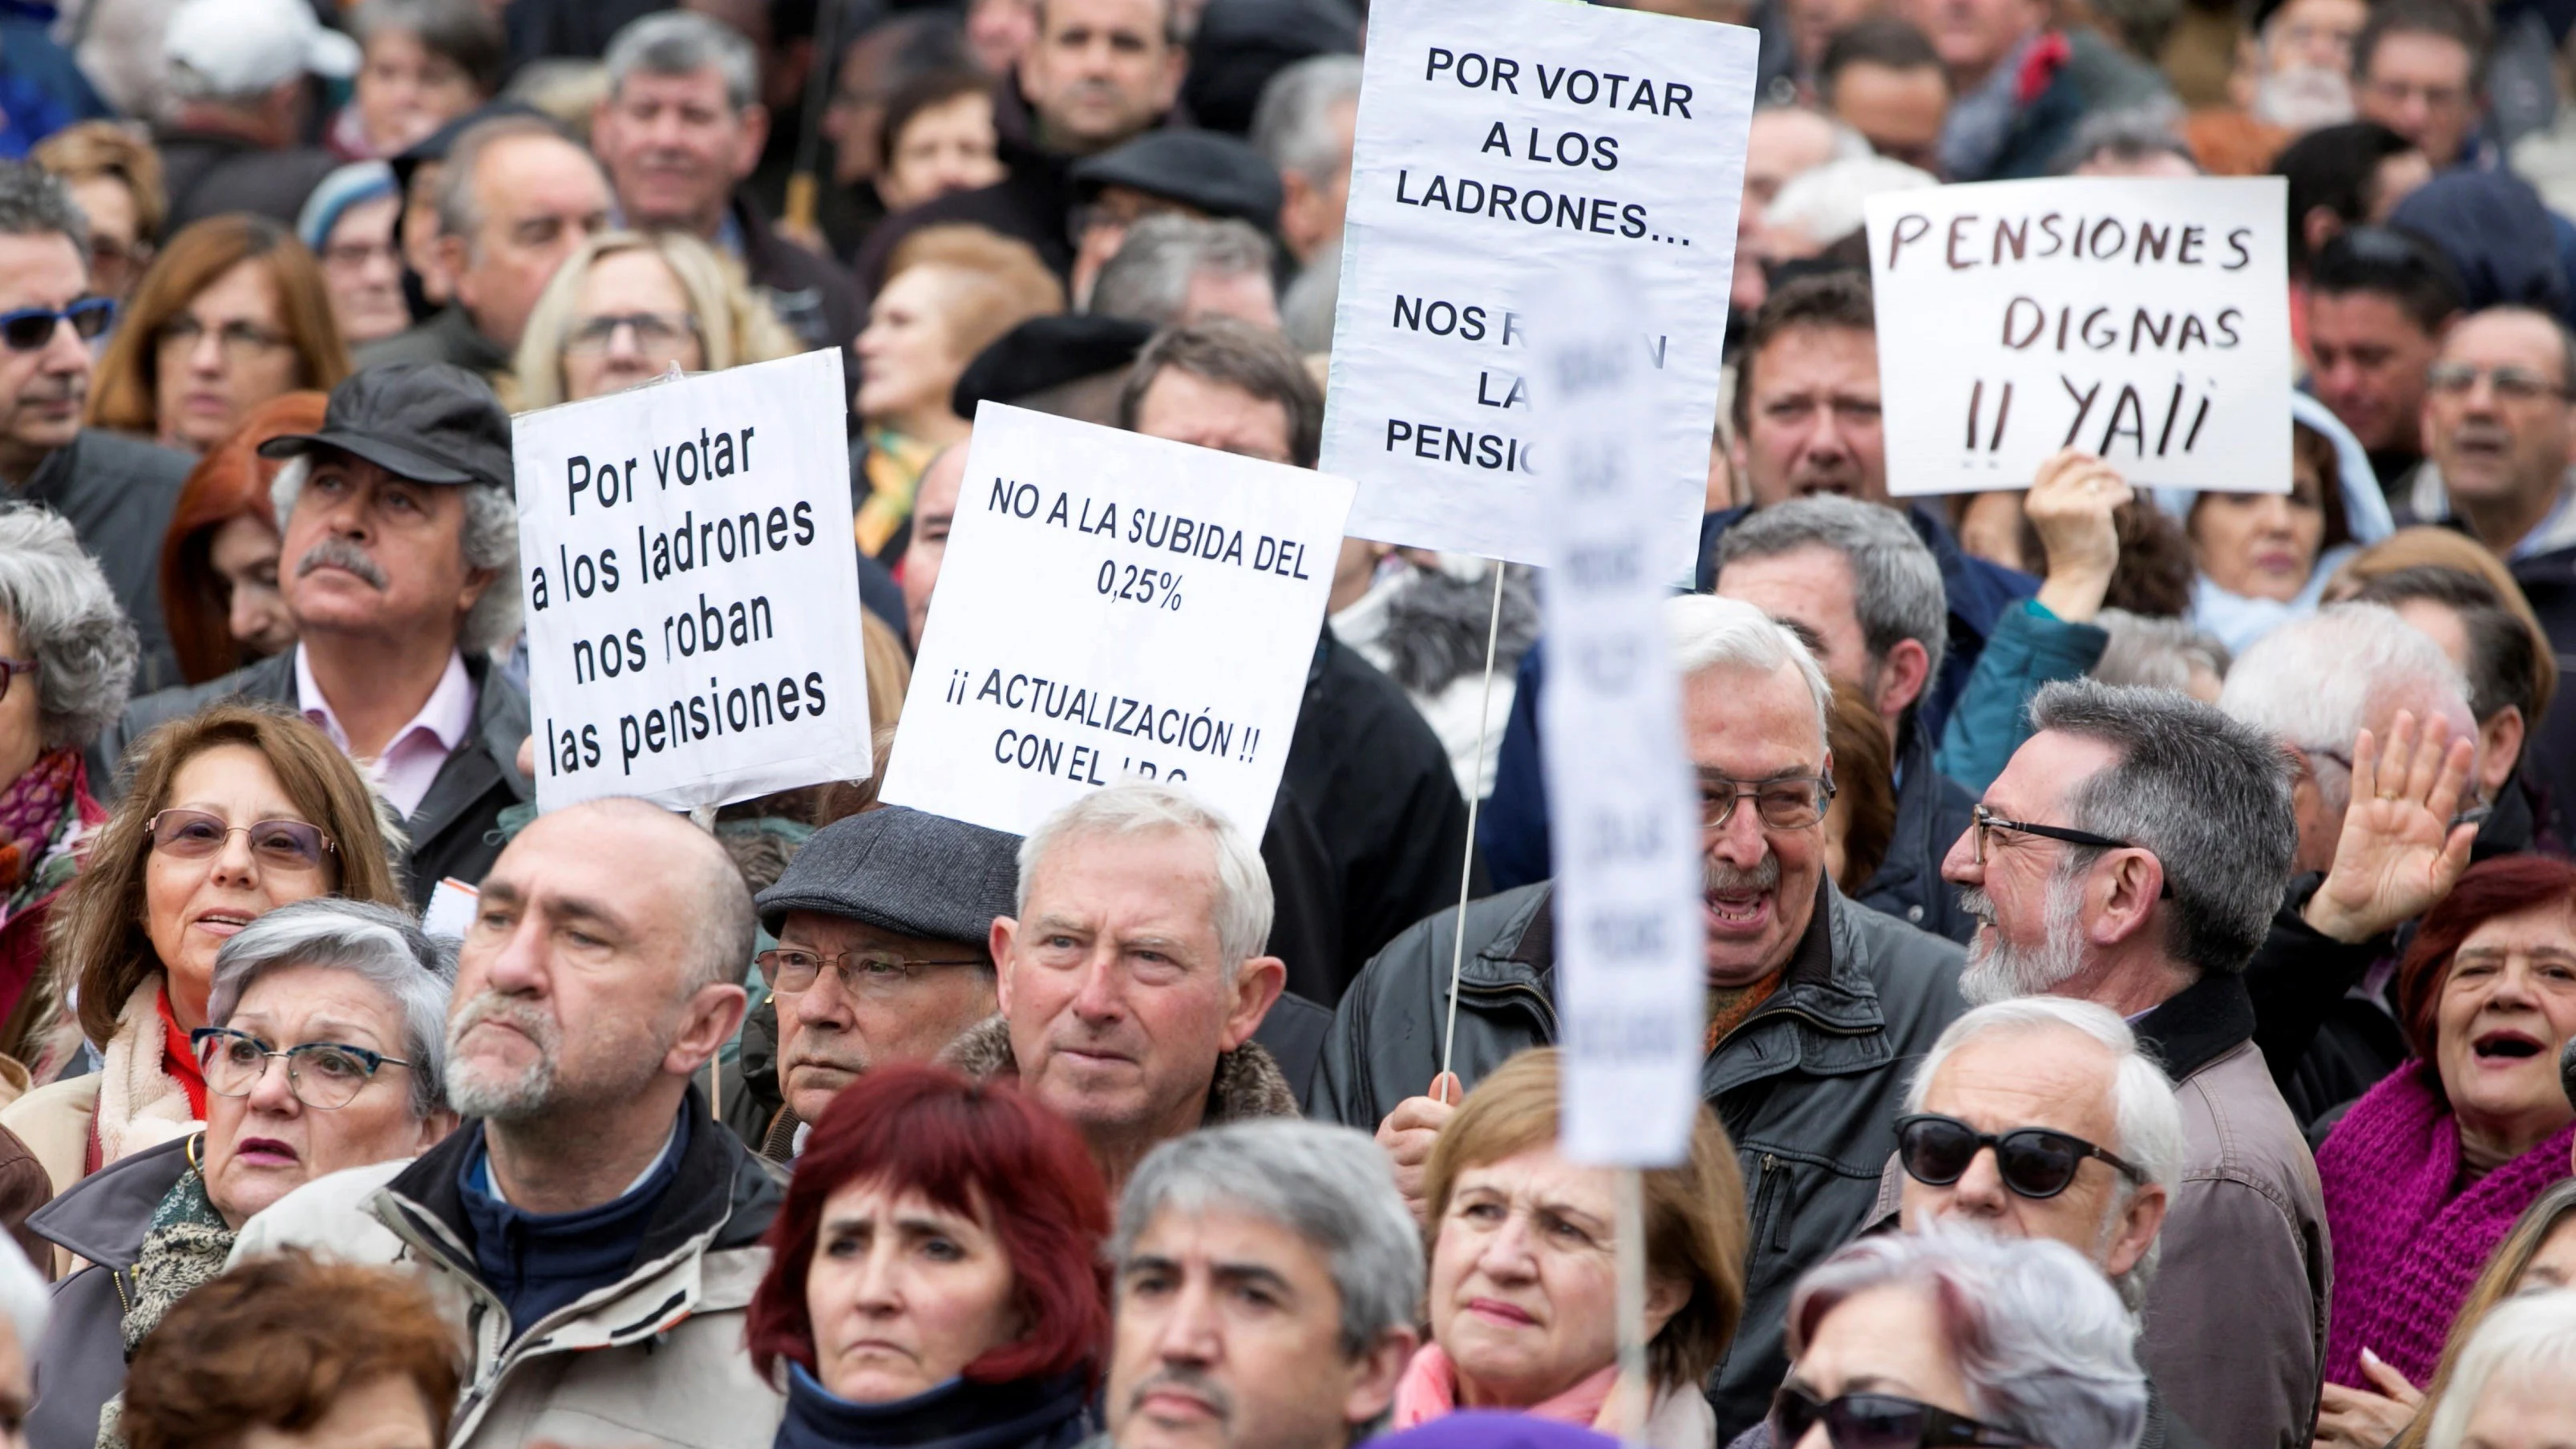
[2033, 1161]
[30, 328]
[1876, 1421]
[194, 835]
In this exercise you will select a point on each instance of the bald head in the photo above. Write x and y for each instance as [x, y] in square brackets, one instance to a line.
[696, 882]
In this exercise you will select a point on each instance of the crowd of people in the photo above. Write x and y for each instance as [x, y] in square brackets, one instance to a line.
[2140, 927]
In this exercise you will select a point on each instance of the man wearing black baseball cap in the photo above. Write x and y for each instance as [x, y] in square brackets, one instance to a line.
[399, 566]
[884, 922]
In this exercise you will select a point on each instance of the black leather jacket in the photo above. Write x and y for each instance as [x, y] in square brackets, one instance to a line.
[1808, 1086]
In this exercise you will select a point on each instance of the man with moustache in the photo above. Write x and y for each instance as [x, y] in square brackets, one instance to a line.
[117, 492]
[597, 1231]
[2132, 855]
[1815, 1005]
[400, 568]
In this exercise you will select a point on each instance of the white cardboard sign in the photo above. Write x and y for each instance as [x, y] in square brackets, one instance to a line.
[1631, 956]
[692, 592]
[1114, 607]
[1504, 146]
[2146, 322]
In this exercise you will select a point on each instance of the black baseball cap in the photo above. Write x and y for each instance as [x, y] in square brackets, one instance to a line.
[430, 422]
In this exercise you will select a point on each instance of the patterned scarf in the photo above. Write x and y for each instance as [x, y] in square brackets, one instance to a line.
[38, 815]
[183, 1249]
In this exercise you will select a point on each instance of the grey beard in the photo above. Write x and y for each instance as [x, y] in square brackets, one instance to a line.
[507, 1099]
[1998, 970]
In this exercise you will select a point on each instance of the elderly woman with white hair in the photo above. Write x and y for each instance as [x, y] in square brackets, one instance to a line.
[1954, 1337]
[66, 660]
[2511, 1389]
[324, 1049]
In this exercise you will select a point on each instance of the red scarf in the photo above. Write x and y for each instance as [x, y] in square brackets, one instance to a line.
[179, 1056]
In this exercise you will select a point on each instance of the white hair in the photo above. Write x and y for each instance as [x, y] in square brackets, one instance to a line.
[1824, 202]
[24, 1296]
[489, 539]
[2312, 683]
[2527, 1340]
[1293, 125]
[2044, 1348]
[1244, 904]
[1706, 632]
[379, 944]
[2143, 1110]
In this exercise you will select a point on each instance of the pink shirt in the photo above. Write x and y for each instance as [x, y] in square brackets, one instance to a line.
[411, 761]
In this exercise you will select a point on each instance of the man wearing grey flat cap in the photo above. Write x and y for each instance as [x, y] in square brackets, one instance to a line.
[882, 921]
[399, 566]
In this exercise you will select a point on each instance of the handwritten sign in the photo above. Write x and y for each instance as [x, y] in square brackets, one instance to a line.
[1114, 607]
[692, 592]
[1504, 146]
[1631, 958]
[2147, 322]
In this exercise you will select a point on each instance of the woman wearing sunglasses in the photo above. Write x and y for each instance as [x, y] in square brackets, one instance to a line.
[231, 812]
[1951, 1337]
[2425, 1175]
[327, 1037]
[627, 308]
[1524, 1281]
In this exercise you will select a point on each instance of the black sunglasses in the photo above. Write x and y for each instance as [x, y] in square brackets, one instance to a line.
[30, 328]
[1877, 1421]
[2034, 1162]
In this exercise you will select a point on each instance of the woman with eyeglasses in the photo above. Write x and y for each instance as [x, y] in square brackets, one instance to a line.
[66, 660]
[1952, 1337]
[1524, 1280]
[232, 313]
[230, 813]
[2426, 1174]
[327, 1029]
[628, 307]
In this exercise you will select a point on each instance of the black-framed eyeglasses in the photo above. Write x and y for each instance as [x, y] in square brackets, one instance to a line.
[195, 834]
[1877, 1421]
[2035, 1162]
[1984, 820]
[30, 328]
[1791, 802]
[324, 1074]
[791, 970]
[10, 669]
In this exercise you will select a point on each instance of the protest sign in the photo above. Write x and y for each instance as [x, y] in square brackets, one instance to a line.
[2146, 322]
[1114, 607]
[1504, 146]
[1631, 955]
[692, 592]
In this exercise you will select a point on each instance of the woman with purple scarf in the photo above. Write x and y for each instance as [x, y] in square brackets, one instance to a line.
[2426, 1174]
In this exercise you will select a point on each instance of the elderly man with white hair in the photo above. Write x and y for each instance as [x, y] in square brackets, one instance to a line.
[2040, 1118]
[1130, 975]
[2510, 1388]
[1815, 1004]
[2319, 979]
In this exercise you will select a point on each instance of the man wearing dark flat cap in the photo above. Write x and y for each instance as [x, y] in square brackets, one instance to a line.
[883, 922]
[1196, 174]
[400, 568]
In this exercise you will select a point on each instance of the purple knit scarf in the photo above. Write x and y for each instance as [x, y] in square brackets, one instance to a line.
[2408, 1244]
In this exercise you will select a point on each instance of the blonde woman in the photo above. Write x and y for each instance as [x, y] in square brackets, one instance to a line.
[628, 306]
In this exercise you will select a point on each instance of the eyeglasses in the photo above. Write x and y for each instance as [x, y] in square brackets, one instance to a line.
[2511, 384]
[240, 340]
[30, 328]
[1877, 1421]
[10, 669]
[324, 1074]
[653, 330]
[350, 256]
[194, 834]
[790, 971]
[2035, 1162]
[1792, 802]
[1987, 820]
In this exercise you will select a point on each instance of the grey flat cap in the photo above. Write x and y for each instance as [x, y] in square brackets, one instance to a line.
[904, 871]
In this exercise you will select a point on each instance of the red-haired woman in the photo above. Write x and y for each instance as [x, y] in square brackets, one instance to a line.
[2428, 1171]
[935, 1272]
[219, 560]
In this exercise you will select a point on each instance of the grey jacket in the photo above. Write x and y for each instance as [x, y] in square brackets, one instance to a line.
[456, 830]
[1808, 1086]
[80, 1362]
[118, 492]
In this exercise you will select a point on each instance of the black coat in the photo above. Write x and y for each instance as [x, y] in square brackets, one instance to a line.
[208, 173]
[456, 831]
[117, 492]
[1932, 812]
[1808, 1086]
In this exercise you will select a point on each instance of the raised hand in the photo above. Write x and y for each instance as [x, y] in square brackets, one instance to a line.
[2070, 503]
[2399, 853]
[1409, 1132]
